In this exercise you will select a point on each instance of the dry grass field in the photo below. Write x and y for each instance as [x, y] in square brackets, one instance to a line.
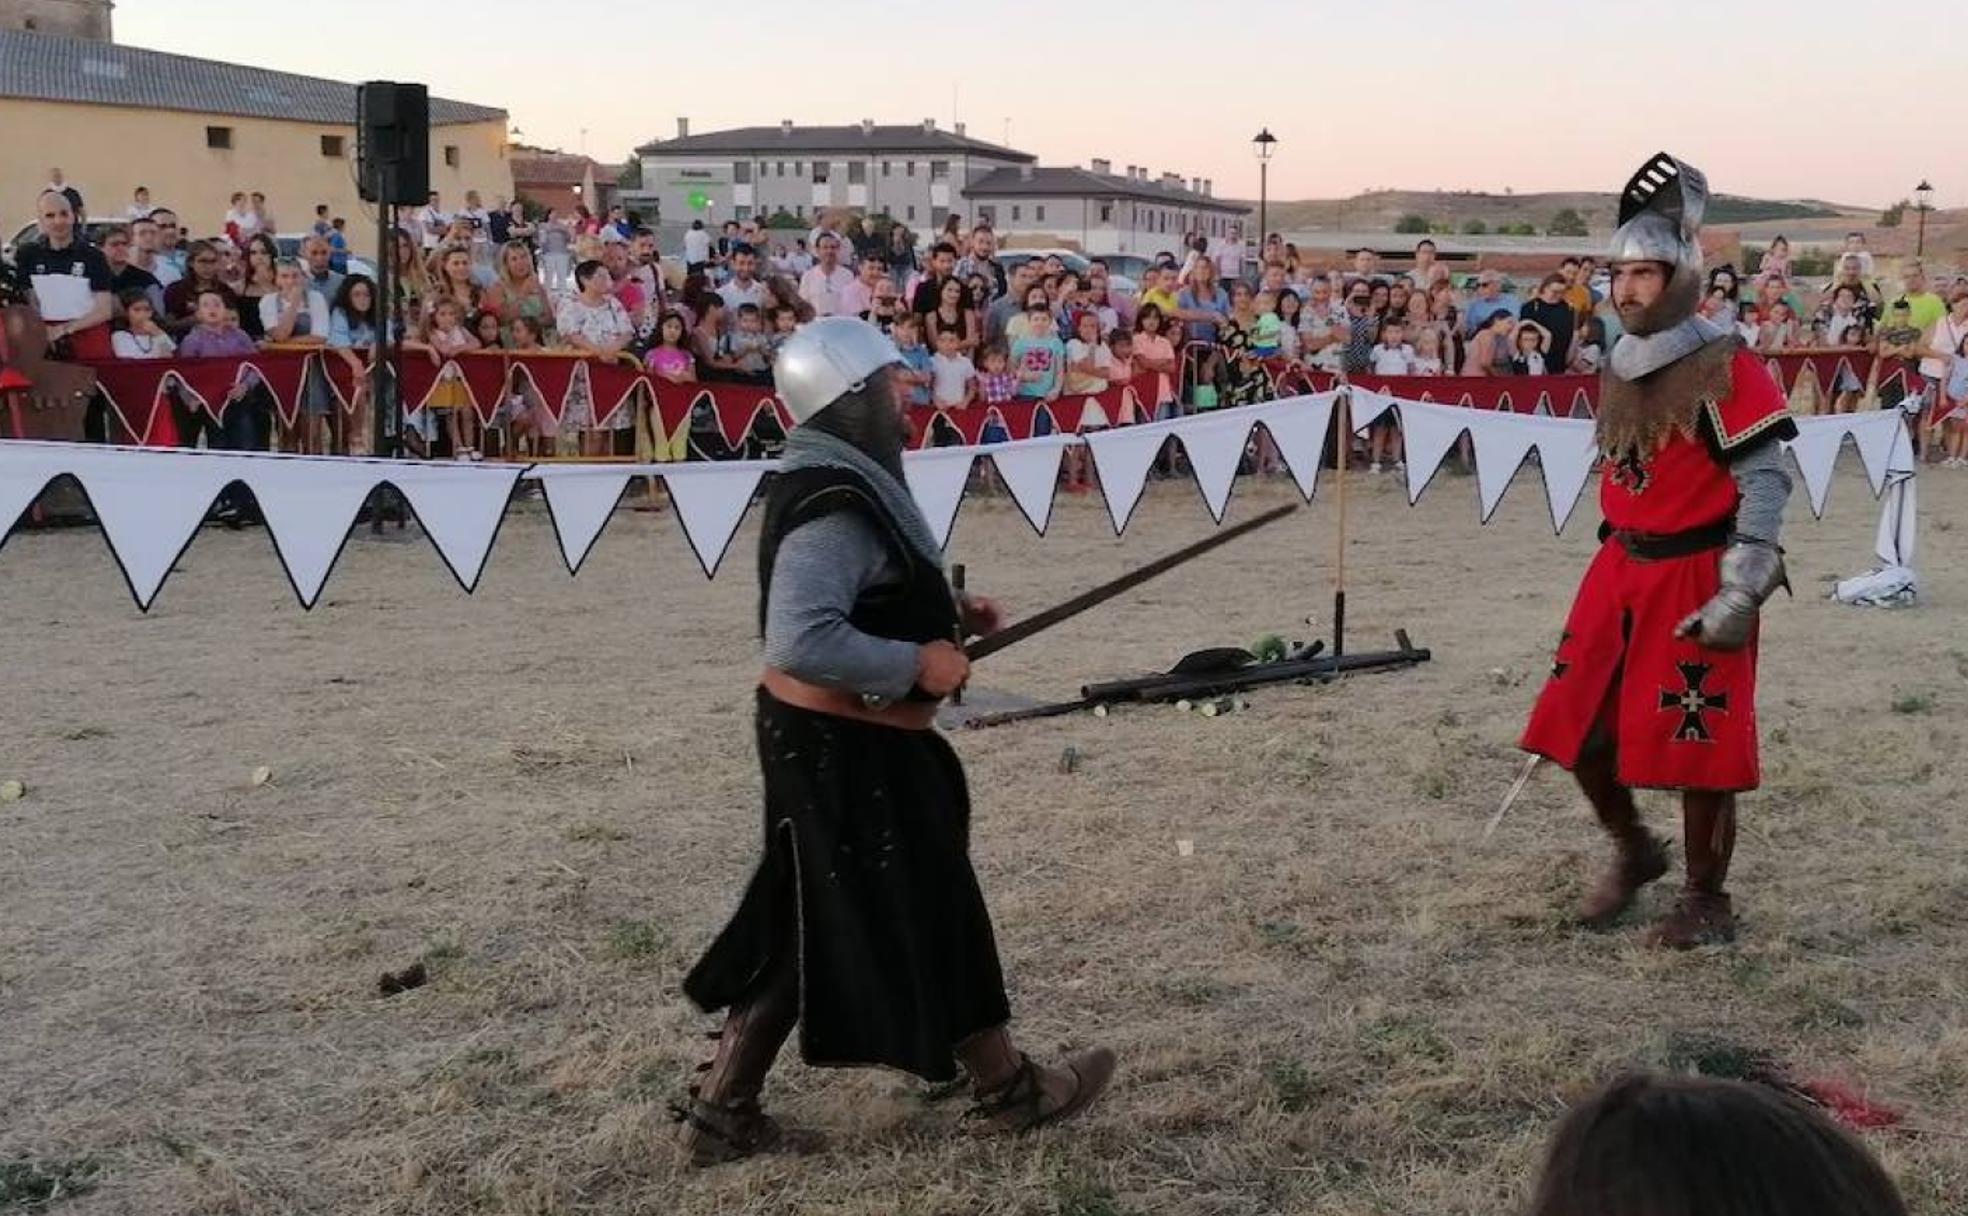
[1342, 1000]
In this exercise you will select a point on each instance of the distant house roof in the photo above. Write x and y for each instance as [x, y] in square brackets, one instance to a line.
[1084, 183]
[534, 166]
[49, 67]
[860, 138]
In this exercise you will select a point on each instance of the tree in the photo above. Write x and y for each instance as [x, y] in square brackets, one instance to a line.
[1520, 228]
[1568, 222]
[1891, 217]
[1412, 223]
[1474, 227]
[784, 219]
[630, 178]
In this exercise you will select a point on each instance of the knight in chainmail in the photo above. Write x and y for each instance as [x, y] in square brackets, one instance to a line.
[863, 925]
[1654, 681]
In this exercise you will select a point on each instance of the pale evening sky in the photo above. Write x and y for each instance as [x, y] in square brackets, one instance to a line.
[1807, 98]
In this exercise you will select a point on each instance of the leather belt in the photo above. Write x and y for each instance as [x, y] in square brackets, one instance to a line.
[1661, 546]
[899, 715]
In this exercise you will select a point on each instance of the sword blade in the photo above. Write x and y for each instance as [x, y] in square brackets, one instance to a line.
[1516, 789]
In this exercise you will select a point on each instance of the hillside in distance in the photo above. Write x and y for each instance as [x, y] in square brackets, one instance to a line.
[1451, 210]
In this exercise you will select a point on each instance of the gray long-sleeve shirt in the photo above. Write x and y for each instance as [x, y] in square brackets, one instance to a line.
[821, 569]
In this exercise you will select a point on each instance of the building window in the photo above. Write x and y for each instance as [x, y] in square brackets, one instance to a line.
[857, 173]
[1106, 213]
[1017, 213]
[912, 211]
[1038, 213]
[799, 168]
[937, 215]
[939, 170]
[887, 211]
[778, 168]
[450, 156]
[908, 168]
[987, 214]
[331, 145]
[741, 172]
[218, 137]
[822, 170]
[741, 212]
[888, 167]
[799, 211]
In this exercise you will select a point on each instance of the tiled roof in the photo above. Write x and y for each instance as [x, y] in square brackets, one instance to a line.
[870, 139]
[556, 170]
[1070, 182]
[48, 67]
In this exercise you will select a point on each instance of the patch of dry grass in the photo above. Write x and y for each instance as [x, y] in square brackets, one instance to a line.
[1343, 1000]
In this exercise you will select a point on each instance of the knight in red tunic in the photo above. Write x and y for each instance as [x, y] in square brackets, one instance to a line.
[1653, 685]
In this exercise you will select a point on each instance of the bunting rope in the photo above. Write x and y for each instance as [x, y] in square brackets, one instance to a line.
[151, 501]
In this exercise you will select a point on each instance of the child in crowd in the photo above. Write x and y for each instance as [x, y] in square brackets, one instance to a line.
[450, 398]
[1749, 323]
[671, 357]
[907, 332]
[485, 327]
[1954, 408]
[1120, 344]
[953, 377]
[1155, 353]
[995, 383]
[533, 424]
[887, 306]
[1589, 349]
[1089, 364]
[1779, 333]
[1529, 344]
[1697, 1146]
[1427, 359]
[141, 337]
[1037, 355]
[1391, 356]
[1267, 336]
[1843, 324]
[785, 323]
[751, 346]
[1291, 313]
[1155, 290]
[215, 332]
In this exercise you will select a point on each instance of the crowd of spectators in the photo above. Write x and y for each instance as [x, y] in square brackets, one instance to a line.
[1199, 329]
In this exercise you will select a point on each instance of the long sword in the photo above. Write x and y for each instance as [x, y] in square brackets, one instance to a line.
[1516, 789]
[1041, 621]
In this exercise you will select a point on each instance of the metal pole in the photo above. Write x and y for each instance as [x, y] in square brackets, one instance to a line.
[1263, 211]
[1920, 240]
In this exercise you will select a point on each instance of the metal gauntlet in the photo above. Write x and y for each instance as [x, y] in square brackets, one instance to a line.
[1751, 573]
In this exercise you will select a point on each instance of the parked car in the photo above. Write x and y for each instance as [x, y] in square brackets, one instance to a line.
[289, 245]
[92, 230]
[1079, 263]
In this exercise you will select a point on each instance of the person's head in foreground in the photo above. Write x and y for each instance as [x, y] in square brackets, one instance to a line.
[1695, 1146]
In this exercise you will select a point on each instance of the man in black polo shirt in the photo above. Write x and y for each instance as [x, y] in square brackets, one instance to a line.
[76, 313]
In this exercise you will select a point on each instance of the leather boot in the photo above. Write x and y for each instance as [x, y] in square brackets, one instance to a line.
[722, 1120]
[1702, 914]
[1639, 857]
[1014, 1095]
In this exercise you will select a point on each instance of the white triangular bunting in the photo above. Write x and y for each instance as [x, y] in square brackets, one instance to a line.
[1367, 406]
[1430, 431]
[1567, 450]
[460, 507]
[1501, 442]
[1122, 457]
[710, 501]
[936, 478]
[1030, 469]
[309, 506]
[1816, 451]
[1215, 445]
[1299, 427]
[150, 504]
[26, 468]
[1876, 434]
[580, 500]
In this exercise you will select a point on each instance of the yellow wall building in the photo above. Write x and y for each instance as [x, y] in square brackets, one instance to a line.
[113, 118]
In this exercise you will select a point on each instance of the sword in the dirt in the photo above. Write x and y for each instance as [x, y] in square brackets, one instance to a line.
[1041, 621]
[1510, 798]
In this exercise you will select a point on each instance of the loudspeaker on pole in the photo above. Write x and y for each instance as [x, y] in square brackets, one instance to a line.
[393, 142]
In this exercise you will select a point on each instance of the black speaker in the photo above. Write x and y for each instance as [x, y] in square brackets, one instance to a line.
[392, 145]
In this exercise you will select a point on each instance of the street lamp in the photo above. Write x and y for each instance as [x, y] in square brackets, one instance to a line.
[1923, 202]
[1262, 145]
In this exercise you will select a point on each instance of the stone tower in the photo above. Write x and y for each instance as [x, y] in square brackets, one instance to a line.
[72, 18]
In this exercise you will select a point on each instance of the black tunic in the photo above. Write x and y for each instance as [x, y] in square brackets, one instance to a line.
[866, 879]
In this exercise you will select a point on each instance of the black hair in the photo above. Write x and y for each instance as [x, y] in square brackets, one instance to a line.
[943, 247]
[748, 310]
[345, 295]
[586, 271]
[131, 296]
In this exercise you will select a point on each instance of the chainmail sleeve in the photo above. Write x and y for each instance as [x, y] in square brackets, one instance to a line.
[821, 569]
[1764, 483]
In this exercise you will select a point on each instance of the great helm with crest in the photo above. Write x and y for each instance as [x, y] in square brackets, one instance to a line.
[1660, 217]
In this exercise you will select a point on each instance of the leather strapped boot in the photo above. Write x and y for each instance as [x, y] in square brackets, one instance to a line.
[1015, 1095]
[722, 1120]
[1703, 915]
[1639, 859]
